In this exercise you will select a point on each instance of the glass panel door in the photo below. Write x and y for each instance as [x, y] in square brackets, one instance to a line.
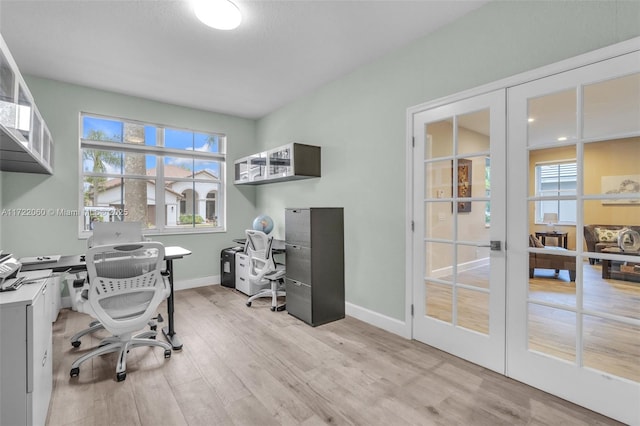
[574, 267]
[459, 286]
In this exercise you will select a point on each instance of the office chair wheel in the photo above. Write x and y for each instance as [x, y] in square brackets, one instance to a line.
[121, 376]
[75, 372]
[167, 353]
[249, 304]
[76, 344]
[273, 309]
[153, 327]
[281, 308]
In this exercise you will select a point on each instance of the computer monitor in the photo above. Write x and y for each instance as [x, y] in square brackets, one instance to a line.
[116, 232]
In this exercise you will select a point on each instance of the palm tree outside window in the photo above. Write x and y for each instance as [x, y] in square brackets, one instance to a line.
[156, 175]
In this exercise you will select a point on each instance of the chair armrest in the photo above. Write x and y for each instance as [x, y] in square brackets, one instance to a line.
[590, 237]
[79, 282]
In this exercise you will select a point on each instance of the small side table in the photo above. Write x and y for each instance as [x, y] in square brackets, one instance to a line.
[562, 237]
[616, 272]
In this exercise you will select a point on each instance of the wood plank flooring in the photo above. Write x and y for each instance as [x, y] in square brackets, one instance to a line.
[251, 366]
[609, 346]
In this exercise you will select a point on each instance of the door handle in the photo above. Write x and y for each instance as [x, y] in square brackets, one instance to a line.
[494, 245]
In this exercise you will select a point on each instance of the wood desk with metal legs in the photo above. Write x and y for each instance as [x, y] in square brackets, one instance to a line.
[77, 263]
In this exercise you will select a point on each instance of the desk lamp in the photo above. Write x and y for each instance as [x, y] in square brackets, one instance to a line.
[550, 219]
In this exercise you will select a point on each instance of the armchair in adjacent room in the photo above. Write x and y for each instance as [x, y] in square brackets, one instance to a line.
[263, 269]
[125, 288]
[553, 258]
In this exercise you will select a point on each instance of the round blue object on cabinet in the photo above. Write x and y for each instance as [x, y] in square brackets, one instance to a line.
[263, 223]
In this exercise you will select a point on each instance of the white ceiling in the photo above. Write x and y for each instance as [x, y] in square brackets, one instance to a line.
[158, 50]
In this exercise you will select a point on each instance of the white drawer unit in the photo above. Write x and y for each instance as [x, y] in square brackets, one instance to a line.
[26, 353]
[242, 276]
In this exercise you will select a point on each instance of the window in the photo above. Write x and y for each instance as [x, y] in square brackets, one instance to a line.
[556, 180]
[171, 180]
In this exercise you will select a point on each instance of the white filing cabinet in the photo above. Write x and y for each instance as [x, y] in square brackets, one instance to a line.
[242, 276]
[25, 353]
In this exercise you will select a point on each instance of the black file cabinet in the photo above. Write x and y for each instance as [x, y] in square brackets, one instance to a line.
[314, 241]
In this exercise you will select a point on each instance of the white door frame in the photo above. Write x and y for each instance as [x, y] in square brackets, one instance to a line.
[562, 66]
[631, 45]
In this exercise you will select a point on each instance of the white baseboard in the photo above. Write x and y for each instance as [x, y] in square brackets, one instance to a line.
[177, 285]
[196, 282]
[65, 302]
[384, 322]
[467, 266]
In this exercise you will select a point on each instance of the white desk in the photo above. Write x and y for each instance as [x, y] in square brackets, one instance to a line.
[77, 263]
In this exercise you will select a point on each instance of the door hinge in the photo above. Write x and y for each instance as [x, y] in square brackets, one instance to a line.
[413, 226]
[412, 309]
[413, 141]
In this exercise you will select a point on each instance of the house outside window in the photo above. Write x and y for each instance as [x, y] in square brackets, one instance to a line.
[154, 174]
[556, 180]
[211, 204]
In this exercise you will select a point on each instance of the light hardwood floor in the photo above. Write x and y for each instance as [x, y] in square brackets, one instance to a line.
[251, 366]
[609, 346]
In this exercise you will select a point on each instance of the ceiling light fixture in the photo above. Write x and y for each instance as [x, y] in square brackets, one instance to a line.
[218, 14]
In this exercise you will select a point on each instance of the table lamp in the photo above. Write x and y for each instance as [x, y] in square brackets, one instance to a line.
[550, 219]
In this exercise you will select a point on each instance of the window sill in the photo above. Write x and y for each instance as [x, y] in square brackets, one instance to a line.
[84, 235]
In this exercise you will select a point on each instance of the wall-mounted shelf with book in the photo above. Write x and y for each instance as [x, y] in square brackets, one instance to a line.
[25, 141]
[293, 161]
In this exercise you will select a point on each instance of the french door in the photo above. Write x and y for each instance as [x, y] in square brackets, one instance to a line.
[578, 339]
[459, 234]
[561, 154]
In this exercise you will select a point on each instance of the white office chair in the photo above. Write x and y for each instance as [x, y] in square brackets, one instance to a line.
[263, 269]
[80, 286]
[125, 288]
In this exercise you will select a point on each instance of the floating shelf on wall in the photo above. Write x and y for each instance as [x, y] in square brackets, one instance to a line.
[293, 161]
[25, 141]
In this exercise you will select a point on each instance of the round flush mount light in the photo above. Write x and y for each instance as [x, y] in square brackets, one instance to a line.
[218, 14]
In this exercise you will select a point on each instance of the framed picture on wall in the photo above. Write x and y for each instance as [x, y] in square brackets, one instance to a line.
[623, 184]
[464, 184]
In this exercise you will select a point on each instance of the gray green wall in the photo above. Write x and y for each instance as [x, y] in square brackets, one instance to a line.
[360, 122]
[60, 104]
